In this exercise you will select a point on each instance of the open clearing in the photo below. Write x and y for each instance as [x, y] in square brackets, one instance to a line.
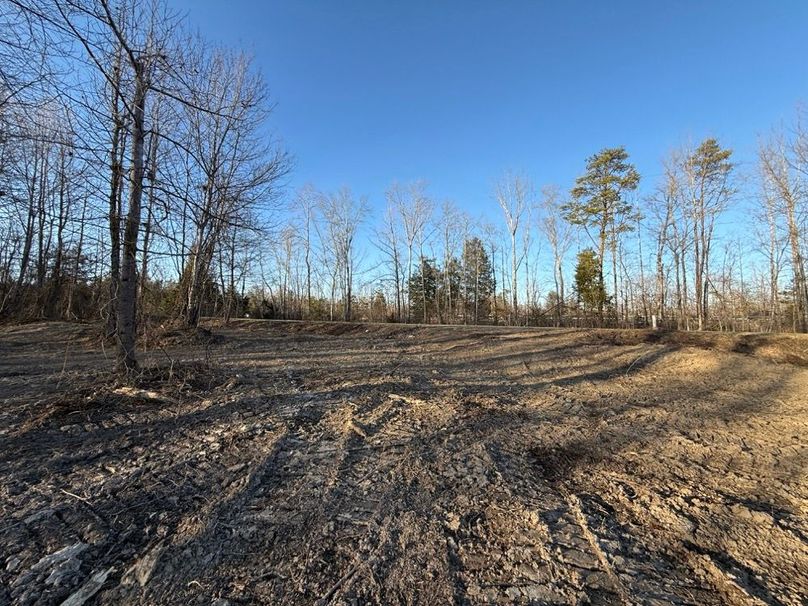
[288, 463]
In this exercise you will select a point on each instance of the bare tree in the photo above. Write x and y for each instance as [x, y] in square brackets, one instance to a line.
[513, 194]
[559, 234]
[231, 167]
[343, 214]
[450, 220]
[663, 205]
[307, 199]
[388, 241]
[26, 71]
[415, 210]
[29, 193]
[768, 214]
[117, 150]
[782, 171]
[139, 33]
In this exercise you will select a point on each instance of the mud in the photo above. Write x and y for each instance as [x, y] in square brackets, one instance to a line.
[290, 463]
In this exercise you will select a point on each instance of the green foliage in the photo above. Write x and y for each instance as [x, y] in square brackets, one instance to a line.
[478, 280]
[423, 288]
[710, 163]
[597, 198]
[588, 281]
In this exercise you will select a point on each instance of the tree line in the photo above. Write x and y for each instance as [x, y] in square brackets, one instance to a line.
[139, 179]
[598, 254]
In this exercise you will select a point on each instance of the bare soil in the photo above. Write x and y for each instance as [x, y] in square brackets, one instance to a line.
[292, 463]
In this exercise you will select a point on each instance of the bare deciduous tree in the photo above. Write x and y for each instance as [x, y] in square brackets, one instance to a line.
[415, 210]
[781, 167]
[559, 235]
[513, 194]
[343, 214]
[231, 167]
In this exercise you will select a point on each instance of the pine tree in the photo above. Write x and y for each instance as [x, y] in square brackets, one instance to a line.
[710, 189]
[597, 202]
[589, 281]
[477, 281]
[422, 289]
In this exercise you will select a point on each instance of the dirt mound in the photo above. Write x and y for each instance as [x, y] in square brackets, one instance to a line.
[91, 336]
[51, 334]
[784, 348]
[181, 336]
[100, 394]
[332, 329]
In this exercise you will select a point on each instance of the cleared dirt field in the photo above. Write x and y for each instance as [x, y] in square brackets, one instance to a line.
[286, 463]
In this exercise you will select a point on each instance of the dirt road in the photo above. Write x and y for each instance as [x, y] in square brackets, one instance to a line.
[350, 464]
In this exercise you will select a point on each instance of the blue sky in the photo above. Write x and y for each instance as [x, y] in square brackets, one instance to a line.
[458, 92]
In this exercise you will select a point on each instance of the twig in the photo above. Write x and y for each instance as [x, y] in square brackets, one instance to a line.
[89, 506]
[75, 496]
[64, 363]
[366, 447]
[640, 357]
[347, 577]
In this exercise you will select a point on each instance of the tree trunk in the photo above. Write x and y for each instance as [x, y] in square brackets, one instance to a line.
[643, 297]
[152, 172]
[116, 157]
[800, 283]
[514, 297]
[43, 245]
[308, 275]
[55, 294]
[601, 255]
[494, 282]
[397, 271]
[614, 279]
[773, 271]
[127, 304]
[476, 288]
[409, 277]
[77, 263]
[348, 290]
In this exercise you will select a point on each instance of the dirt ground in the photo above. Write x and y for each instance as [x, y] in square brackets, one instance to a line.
[289, 463]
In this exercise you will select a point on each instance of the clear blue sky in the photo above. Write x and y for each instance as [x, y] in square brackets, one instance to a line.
[458, 92]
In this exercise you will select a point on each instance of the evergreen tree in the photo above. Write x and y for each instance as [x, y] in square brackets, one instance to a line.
[597, 202]
[477, 281]
[423, 289]
[589, 281]
[708, 171]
